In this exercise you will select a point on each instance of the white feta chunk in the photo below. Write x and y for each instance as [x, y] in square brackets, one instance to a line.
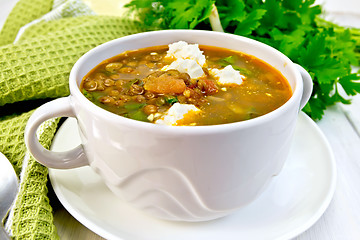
[175, 113]
[227, 75]
[188, 66]
[183, 50]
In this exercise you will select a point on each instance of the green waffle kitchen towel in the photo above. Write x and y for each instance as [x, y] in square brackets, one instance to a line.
[39, 43]
[24, 12]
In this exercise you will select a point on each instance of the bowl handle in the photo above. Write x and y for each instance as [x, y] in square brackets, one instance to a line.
[60, 107]
[307, 86]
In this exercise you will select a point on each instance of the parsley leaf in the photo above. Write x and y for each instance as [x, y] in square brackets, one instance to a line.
[187, 14]
[176, 14]
[226, 61]
[350, 83]
[134, 106]
[171, 99]
[87, 95]
[235, 18]
[138, 115]
[230, 60]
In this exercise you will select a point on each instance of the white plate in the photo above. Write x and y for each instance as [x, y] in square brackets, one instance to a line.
[293, 202]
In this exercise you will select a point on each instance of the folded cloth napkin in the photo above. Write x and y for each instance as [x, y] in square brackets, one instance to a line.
[39, 43]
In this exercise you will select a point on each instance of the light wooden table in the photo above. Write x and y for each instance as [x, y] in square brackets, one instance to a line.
[69, 228]
[341, 126]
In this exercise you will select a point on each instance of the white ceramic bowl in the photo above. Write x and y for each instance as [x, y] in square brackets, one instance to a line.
[177, 173]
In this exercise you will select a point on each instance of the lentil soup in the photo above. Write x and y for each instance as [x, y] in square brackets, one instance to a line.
[159, 86]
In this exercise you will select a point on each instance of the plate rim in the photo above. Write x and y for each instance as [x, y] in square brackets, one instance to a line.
[329, 196]
[92, 226]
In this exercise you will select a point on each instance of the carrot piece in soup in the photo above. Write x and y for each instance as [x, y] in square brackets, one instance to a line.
[165, 82]
[210, 87]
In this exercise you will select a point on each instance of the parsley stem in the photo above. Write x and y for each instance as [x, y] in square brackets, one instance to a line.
[215, 20]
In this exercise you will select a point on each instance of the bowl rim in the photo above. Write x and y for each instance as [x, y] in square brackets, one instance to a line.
[183, 130]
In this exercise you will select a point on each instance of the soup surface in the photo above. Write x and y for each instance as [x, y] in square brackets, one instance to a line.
[186, 84]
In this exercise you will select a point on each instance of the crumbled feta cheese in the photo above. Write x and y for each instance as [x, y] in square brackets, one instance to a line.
[175, 113]
[183, 50]
[227, 75]
[188, 59]
[150, 117]
[186, 66]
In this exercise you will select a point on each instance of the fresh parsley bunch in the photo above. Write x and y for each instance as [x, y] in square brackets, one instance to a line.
[294, 27]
